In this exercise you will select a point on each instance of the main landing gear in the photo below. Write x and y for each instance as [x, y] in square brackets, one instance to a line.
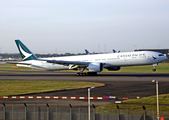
[86, 73]
[81, 74]
[154, 67]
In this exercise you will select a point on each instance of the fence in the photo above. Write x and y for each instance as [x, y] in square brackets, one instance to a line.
[74, 113]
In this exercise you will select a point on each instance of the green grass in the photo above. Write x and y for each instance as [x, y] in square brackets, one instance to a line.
[7, 65]
[18, 69]
[163, 99]
[18, 87]
[132, 109]
[149, 102]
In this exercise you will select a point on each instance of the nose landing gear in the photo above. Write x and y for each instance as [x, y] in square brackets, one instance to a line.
[154, 67]
[154, 70]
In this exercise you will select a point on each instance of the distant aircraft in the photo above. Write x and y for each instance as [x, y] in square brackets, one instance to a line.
[93, 63]
[87, 52]
[114, 51]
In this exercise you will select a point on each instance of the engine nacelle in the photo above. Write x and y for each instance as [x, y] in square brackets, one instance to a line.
[95, 67]
[113, 68]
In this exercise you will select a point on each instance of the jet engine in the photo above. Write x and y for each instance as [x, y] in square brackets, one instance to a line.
[95, 67]
[113, 68]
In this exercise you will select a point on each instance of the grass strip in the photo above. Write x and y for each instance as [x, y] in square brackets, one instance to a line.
[18, 87]
[132, 109]
[163, 99]
[149, 102]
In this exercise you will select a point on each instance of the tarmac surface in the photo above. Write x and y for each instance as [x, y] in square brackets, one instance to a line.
[117, 84]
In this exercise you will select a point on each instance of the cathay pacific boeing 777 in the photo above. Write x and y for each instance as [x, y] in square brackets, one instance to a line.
[93, 63]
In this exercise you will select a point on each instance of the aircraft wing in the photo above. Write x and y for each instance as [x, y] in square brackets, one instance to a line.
[62, 62]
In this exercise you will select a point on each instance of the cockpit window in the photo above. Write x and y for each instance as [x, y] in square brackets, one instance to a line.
[160, 55]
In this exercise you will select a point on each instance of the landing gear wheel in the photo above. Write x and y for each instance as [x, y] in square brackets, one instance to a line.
[92, 73]
[81, 74]
[88, 73]
[84, 74]
[78, 73]
[154, 67]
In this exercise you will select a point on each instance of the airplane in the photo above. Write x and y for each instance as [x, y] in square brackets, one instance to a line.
[93, 63]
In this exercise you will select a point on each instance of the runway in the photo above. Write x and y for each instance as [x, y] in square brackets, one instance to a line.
[117, 84]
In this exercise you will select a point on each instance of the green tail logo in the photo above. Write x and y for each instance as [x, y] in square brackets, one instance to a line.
[26, 54]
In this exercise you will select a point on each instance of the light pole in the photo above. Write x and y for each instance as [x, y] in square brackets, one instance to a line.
[104, 48]
[89, 101]
[98, 48]
[158, 115]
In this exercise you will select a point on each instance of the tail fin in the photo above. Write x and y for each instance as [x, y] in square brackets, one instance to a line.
[114, 50]
[26, 54]
[87, 52]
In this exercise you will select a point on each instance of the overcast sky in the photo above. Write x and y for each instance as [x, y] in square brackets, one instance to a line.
[50, 26]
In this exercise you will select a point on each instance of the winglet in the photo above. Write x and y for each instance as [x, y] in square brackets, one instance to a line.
[26, 54]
